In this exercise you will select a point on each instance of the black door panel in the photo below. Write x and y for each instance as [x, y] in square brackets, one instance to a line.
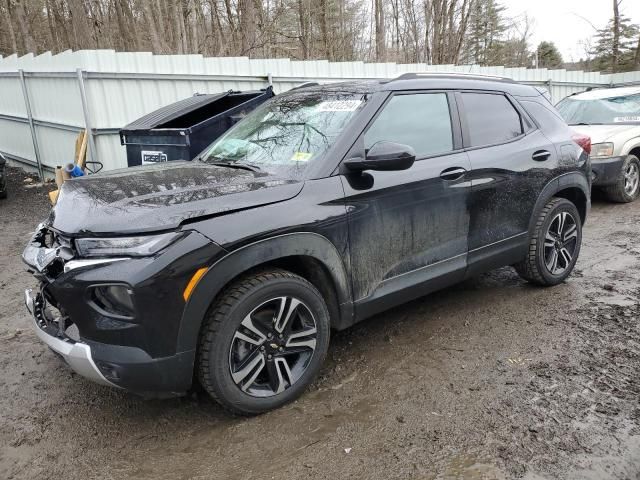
[406, 221]
[506, 184]
[511, 163]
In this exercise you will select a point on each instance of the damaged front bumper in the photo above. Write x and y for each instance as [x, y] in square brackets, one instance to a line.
[76, 354]
[136, 349]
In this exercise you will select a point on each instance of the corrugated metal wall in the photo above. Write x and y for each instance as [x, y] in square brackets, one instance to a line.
[105, 90]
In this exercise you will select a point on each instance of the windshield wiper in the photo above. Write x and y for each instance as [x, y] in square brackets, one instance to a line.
[239, 166]
[584, 123]
[223, 162]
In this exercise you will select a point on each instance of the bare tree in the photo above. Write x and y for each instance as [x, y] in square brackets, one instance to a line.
[431, 31]
[381, 50]
[9, 22]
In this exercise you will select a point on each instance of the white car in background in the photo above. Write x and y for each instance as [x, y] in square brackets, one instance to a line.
[611, 117]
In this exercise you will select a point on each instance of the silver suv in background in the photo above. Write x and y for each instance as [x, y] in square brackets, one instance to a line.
[611, 117]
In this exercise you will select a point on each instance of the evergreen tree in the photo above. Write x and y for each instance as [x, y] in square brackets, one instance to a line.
[486, 28]
[608, 58]
[549, 56]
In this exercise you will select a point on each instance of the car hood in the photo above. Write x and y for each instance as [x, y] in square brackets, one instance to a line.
[161, 197]
[605, 133]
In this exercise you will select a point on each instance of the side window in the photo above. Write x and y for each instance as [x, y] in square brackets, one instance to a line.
[421, 121]
[491, 119]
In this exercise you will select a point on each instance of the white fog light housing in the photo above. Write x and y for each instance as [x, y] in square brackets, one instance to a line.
[601, 150]
[139, 246]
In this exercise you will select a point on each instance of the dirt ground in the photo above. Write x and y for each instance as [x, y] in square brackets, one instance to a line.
[491, 379]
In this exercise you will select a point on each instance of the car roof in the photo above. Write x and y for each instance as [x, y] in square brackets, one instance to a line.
[420, 81]
[601, 93]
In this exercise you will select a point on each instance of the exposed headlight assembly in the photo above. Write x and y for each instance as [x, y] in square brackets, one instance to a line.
[140, 246]
[602, 150]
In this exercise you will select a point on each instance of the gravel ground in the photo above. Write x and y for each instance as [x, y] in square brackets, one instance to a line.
[491, 379]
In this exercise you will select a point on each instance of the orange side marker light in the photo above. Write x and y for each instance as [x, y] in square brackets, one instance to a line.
[193, 282]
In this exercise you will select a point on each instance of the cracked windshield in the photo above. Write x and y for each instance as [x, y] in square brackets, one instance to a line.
[285, 135]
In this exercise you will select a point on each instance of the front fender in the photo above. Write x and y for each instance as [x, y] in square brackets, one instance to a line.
[252, 255]
[630, 145]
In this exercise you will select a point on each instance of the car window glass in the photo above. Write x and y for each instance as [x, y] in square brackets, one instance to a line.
[288, 133]
[421, 121]
[615, 110]
[490, 118]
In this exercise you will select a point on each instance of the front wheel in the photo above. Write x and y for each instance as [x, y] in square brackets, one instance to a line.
[627, 186]
[554, 244]
[264, 342]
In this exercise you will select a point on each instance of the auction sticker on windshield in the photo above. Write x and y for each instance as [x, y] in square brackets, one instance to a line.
[630, 118]
[339, 105]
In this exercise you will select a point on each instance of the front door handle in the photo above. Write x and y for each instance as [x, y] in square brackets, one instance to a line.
[452, 173]
[541, 155]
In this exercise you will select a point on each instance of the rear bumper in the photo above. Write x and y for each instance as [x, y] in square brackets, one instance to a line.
[606, 171]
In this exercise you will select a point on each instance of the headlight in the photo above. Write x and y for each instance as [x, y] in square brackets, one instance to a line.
[141, 246]
[602, 150]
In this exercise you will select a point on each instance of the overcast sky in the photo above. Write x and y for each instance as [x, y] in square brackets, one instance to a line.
[559, 20]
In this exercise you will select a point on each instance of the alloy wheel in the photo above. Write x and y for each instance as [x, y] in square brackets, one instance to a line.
[560, 243]
[631, 178]
[272, 347]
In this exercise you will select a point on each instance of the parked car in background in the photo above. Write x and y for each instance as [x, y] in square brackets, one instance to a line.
[322, 207]
[611, 117]
[3, 176]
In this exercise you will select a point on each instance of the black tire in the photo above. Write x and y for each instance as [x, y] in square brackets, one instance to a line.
[535, 267]
[621, 192]
[220, 340]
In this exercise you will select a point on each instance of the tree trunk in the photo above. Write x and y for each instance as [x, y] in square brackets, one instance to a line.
[247, 25]
[12, 32]
[381, 50]
[325, 30]
[52, 28]
[302, 12]
[615, 50]
[25, 31]
[151, 25]
[80, 26]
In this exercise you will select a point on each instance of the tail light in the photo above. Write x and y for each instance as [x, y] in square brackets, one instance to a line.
[583, 140]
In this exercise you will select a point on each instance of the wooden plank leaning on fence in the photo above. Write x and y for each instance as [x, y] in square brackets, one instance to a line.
[80, 160]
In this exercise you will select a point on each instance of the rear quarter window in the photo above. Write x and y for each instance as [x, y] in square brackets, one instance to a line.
[547, 117]
[491, 119]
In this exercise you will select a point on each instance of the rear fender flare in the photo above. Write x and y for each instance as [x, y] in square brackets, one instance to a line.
[563, 182]
[247, 257]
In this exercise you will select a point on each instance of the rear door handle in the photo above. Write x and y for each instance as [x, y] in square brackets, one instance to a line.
[541, 155]
[452, 173]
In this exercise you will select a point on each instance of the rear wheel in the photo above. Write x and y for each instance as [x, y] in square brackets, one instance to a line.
[627, 187]
[264, 342]
[554, 244]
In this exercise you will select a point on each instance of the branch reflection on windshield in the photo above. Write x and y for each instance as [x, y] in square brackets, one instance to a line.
[285, 135]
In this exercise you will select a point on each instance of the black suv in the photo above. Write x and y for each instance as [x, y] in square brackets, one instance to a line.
[322, 207]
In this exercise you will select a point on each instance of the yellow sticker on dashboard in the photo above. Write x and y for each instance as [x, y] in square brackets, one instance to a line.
[301, 156]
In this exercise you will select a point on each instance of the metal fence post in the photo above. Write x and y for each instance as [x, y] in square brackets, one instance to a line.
[34, 139]
[86, 114]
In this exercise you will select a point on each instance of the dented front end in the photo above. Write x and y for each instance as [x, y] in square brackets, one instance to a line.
[115, 320]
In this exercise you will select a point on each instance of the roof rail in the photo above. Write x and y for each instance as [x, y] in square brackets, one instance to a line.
[478, 76]
[305, 85]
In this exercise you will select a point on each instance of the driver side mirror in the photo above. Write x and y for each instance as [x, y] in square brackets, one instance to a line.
[383, 156]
